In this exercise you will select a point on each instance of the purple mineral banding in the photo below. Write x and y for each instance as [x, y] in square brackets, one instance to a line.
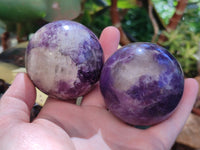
[142, 83]
[64, 59]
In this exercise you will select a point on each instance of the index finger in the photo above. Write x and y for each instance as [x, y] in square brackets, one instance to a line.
[109, 40]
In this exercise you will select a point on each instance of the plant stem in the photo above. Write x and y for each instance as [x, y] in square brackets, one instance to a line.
[173, 22]
[116, 22]
[153, 21]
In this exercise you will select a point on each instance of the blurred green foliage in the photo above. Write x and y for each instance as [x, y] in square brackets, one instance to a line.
[184, 45]
[23, 17]
[192, 16]
[136, 23]
[22, 10]
[124, 4]
[29, 10]
[165, 9]
[184, 42]
[96, 16]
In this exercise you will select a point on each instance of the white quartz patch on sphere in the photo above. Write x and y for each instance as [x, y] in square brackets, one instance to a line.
[133, 69]
[64, 59]
[45, 75]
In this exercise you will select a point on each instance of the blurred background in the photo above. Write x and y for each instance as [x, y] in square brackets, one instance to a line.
[173, 24]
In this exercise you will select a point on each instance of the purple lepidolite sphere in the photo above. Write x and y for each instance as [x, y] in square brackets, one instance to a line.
[64, 59]
[142, 84]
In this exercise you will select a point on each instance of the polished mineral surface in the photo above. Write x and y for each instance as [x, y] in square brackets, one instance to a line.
[64, 59]
[142, 83]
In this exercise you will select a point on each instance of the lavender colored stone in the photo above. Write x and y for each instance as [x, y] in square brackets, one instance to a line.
[142, 84]
[64, 59]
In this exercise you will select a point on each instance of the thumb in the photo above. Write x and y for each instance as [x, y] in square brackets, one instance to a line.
[18, 100]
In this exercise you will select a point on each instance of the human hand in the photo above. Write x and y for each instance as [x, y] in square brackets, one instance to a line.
[63, 125]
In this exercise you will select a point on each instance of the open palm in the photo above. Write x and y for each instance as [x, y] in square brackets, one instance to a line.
[63, 125]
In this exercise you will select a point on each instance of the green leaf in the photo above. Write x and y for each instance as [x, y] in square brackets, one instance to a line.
[184, 45]
[165, 9]
[62, 9]
[124, 4]
[22, 10]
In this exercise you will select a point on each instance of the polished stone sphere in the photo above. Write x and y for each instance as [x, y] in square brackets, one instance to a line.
[64, 59]
[142, 83]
